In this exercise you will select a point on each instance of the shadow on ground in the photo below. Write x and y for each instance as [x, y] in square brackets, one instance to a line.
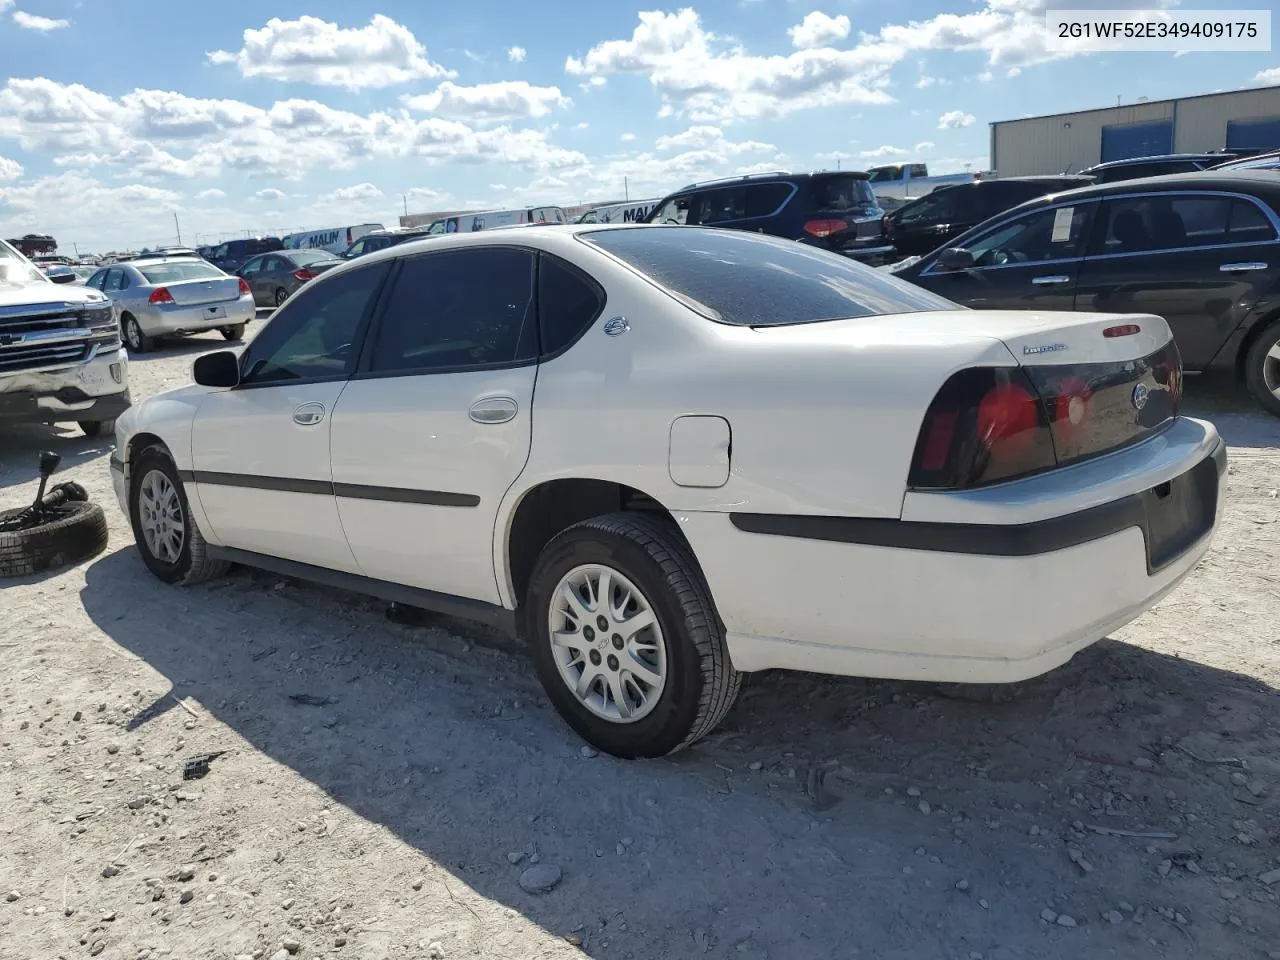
[790, 834]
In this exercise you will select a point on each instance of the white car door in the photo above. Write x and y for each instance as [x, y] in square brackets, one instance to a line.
[435, 426]
[260, 450]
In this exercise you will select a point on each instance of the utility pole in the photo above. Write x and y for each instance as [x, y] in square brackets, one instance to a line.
[626, 189]
[406, 203]
[177, 227]
[76, 247]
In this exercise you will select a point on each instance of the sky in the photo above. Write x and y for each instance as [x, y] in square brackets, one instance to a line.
[264, 118]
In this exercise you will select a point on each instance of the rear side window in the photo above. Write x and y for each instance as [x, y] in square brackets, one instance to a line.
[1163, 222]
[456, 310]
[764, 199]
[841, 193]
[749, 279]
[1248, 224]
[177, 272]
[568, 303]
[717, 206]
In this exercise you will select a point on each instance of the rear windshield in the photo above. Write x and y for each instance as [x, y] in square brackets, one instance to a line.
[302, 257]
[759, 281]
[841, 193]
[176, 272]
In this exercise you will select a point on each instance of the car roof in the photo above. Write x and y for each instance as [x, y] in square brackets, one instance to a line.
[1257, 182]
[1159, 158]
[771, 176]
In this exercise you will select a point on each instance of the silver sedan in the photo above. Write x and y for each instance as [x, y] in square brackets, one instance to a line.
[174, 297]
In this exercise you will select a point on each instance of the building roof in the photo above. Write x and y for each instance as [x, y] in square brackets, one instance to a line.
[1139, 103]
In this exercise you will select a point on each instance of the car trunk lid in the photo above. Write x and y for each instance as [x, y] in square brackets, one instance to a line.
[197, 292]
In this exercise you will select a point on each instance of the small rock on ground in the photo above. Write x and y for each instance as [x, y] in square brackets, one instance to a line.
[1048, 916]
[540, 878]
[1066, 921]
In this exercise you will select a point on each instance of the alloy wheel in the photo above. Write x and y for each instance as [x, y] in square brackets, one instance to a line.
[160, 517]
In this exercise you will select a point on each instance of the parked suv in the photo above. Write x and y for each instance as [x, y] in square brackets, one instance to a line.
[230, 256]
[60, 353]
[1201, 250]
[1115, 170]
[929, 222]
[836, 211]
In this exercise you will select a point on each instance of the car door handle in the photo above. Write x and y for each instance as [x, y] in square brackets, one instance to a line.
[493, 410]
[308, 414]
[1049, 281]
[1246, 267]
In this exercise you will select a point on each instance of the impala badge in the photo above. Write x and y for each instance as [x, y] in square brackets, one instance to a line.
[1044, 348]
[1140, 395]
[616, 327]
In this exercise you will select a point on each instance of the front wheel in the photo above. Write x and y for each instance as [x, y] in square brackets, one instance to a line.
[625, 638]
[1262, 369]
[233, 332]
[171, 544]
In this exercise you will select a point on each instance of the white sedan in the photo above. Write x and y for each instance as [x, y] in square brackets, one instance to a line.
[671, 455]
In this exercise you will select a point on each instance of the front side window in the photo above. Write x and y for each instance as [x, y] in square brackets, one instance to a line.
[115, 280]
[675, 210]
[459, 309]
[750, 279]
[221, 252]
[885, 174]
[251, 267]
[312, 337]
[1162, 222]
[96, 280]
[1055, 233]
[14, 268]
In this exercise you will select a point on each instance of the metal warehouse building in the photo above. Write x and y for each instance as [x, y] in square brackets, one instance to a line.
[1238, 120]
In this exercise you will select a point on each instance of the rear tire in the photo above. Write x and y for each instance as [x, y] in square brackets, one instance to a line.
[1262, 369]
[687, 649]
[233, 332]
[95, 428]
[134, 338]
[190, 562]
[281, 295]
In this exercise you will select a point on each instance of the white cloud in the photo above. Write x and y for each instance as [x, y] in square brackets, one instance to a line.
[1270, 75]
[361, 191]
[9, 169]
[628, 137]
[924, 146]
[833, 156]
[310, 50]
[954, 119]
[583, 125]
[213, 193]
[29, 21]
[517, 54]
[879, 153]
[489, 102]
[5, 5]
[710, 138]
[270, 194]
[69, 204]
[818, 30]
[986, 76]
[925, 81]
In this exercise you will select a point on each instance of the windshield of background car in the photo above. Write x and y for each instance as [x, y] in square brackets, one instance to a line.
[754, 280]
[177, 272]
[842, 193]
[304, 257]
[15, 269]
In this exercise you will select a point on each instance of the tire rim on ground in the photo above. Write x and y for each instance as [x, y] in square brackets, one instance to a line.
[160, 517]
[1271, 369]
[607, 643]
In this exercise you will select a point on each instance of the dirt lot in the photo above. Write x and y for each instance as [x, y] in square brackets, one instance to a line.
[1127, 805]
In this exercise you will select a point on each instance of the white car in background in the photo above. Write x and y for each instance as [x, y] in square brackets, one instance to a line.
[671, 455]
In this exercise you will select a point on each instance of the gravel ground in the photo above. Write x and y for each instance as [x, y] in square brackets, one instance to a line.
[423, 801]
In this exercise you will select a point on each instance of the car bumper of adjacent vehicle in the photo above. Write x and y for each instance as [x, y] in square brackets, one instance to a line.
[1006, 589]
[872, 255]
[160, 320]
[95, 389]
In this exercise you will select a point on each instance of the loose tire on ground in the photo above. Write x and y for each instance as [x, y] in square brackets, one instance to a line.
[1258, 362]
[80, 532]
[233, 332]
[193, 563]
[701, 684]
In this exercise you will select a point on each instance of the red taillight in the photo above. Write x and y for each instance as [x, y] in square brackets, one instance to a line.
[244, 288]
[160, 295]
[1123, 330]
[986, 424]
[825, 228]
[303, 274]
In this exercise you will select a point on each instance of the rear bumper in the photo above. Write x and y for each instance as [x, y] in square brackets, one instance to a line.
[980, 602]
[161, 320]
[95, 390]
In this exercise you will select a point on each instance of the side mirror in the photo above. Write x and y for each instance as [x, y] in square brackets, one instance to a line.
[955, 258]
[220, 369]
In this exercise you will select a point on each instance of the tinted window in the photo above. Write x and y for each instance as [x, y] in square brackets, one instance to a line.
[1249, 224]
[175, 272]
[675, 210]
[884, 174]
[97, 279]
[568, 303]
[1163, 222]
[764, 199]
[935, 208]
[250, 267]
[1051, 234]
[464, 308]
[841, 193]
[754, 280]
[717, 206]
[313, 335]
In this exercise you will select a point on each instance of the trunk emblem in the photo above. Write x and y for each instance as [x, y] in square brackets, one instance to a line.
[1140, 395]
[1044, 348]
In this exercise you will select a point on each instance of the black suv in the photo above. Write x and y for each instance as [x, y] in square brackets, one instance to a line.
[380, 240]
[931, 221]
[1115, 170]
[1201, 250]
[230, 256]
[836, 211]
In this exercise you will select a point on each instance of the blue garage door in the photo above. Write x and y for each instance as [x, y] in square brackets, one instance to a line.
[1254, 134]
[1137, 140]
